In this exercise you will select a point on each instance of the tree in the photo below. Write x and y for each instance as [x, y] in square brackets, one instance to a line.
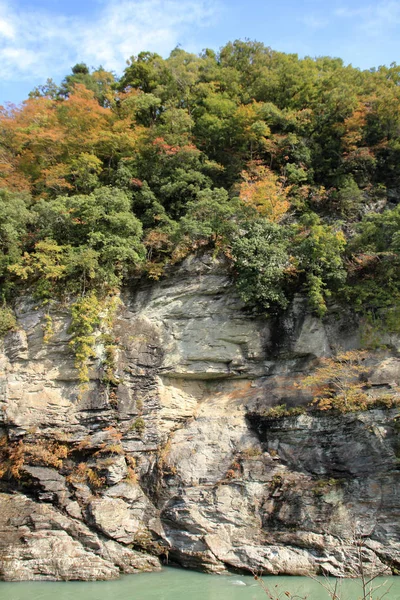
[262, 190]
[214, 217]
[348, 198]
[48, 90]
[173, 173]
[92, 240]
[46, 267]
[99, 81]
[15, 218]
[380, 232]
[336, 382]
[84, 172]
[373, 283]
[146, 72]
[319, 251]
[262, 263]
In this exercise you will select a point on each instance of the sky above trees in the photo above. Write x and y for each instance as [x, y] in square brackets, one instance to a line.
[44, 38]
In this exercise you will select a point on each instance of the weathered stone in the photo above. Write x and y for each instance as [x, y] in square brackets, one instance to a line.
[52, 484]
[130, 561]
[35, 545]
[112, 517]
[16, 345]
[180, 458]
[386, 373]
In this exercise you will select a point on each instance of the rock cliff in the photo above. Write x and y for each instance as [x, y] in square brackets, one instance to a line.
[179, 460]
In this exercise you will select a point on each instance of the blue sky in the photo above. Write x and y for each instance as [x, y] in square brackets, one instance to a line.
[44, 38]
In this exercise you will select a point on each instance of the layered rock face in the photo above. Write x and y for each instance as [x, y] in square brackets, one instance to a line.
[179, 460]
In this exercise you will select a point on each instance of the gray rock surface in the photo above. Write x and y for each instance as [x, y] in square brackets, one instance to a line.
[179, 459]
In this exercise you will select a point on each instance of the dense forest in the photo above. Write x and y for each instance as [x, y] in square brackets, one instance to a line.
[290, 167]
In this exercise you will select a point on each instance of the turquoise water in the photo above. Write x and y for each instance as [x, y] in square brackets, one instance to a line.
[176, 584]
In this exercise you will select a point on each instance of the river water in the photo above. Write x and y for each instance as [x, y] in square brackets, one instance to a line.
[176, 584]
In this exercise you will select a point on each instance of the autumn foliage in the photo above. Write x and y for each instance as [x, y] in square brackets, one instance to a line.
[262, 190]
[337, 384]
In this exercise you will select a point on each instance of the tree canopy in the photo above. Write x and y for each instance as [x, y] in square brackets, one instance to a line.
[289, 166]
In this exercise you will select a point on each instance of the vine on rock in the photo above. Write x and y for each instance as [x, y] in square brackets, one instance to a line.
[85, 313]
[91, 315]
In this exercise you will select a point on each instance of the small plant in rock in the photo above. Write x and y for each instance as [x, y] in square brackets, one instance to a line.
[109, 448]
[131, 461]
[282, 410]
[13, 455]
[109, 363]
[323, 486]
[85, 474]
[113, 444]
[276, 481]
[230, 474]
[84, 444]
[78, 475]
[47, 453]
[12, 458]
[132, 477]
[94, 480]
[154, 270]
[89, 315]
[251, 452]
[138, 426]
[113, 432]
[385, 401]
[112, 397]
[48, 328]
[235, 468]
[163, 466]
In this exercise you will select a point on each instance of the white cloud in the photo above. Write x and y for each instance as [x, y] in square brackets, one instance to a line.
[373, 19]
[6, 29]
[37, 44]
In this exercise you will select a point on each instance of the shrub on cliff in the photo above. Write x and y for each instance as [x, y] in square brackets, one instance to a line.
[336, 382]
[262, 262]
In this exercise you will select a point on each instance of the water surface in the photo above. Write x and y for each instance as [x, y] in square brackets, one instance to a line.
[177, 584]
